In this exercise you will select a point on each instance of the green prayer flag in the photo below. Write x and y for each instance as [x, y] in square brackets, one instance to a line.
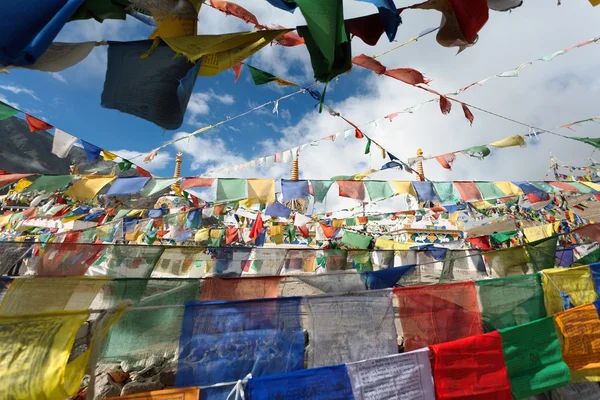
[325, 37]
[581, 187]
[292, 233]
[356, 240]
[7, 111]
[477, 151]
[320, 189]
[260, 77]
[157, 185]
[351, 221]
[378, 189]
[231, 189]
[361, 260]
[368, 146]
[101, 10]
[591, 141]
[489, 190]
[545, 187]
[125, 165]
[590, 258]
[533, 358]
[542, 253]
[50, 183]
[502, 237]
[510, 301]
[216, 237]
[447, 193]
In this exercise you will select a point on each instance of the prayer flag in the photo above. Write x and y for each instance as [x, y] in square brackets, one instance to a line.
[7, 111]
[62, 143]
[91, 151]
[127, 186]
[88, 187]
[37, 124]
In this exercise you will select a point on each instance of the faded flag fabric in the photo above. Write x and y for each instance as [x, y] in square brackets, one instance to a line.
[62, 143]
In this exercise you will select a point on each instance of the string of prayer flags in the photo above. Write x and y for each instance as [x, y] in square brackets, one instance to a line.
[62, 143]
[325, 37]
[7, 111]
[221, 52]
[36, 347]
[533, 358]
[130, 87]
[472, 368]
[261, 77]
[32, 28]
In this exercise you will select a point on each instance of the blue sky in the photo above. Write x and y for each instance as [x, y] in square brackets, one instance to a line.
[545, 95]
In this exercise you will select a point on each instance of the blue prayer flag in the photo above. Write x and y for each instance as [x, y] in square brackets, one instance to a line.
[125, 186]
[325, 383]
[225, 341]
[385, 278]
[389, 16]
[278, 210]
[292, 190]
[91, 151]
[425, 191]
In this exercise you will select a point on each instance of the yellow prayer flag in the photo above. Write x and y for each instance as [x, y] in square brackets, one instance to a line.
[576, 282]
[404, 187]
[28, 296]
[514, 140]
[88, 187]
[362, 175]
[4, 219]
[592, 185]
[136, 213]
[594, 2]
[536, 233]
[337, 223]
[221, 52]
[387, 244]
[190, 393]
[108, 156]
[283, 82]
[182, 21]
[261, 191]
[34, 355]
[22, 184]
[509, 188]
[202, 235]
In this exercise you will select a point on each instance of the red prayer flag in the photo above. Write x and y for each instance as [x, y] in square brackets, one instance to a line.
[352, 189]
[438, 313]
[235, 10]
[446, 160]
[407, 75]
[289, 39]
[468, 113]
[328, 230]
[197, 182]
[237, 70]
[369, 63]
[471, 16]
[468, 191]
[358, 134]
[8, 178]
[391, 116]
[143, 172]
[257, 227]
[471, 368]
[37, 124]
[445, 105]
[231, 235]
[481, 242]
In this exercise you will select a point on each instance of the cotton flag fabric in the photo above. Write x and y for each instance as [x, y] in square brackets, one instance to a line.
[320, 189]
[37, 124]
[447, 193]
[36, 347]
[248, 333]
[31, 27]
[157, 185]
[580, 332]
[197, 182]
[221, 52]
[240, 288]
[261, 77]
[378, 189]
[471, 368]
[325, 383]
[88, 187]
[7, 111]
[50, 183]
[62, 143]
[438, 313]
[336, 339]
[533, 358]
[573, 286]
[511, 301]
[277, 209]
[404, 187]
[261, 191]
[293, 190]
[511, 141]
[425, 191]
[468, 191]
[60, 56]
[352, 189]
[130, 85]
[395, 377]
[231, 189]
[127, 186]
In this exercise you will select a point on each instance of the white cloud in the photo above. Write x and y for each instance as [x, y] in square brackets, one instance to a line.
[207, 152]
[199, 104]
[18, 90]
[161, 161]
[58, 77]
